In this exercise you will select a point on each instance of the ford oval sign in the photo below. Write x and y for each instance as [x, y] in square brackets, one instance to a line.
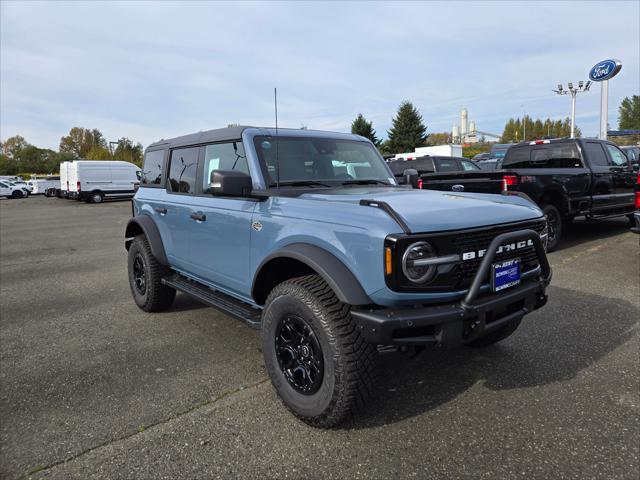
[605, 70]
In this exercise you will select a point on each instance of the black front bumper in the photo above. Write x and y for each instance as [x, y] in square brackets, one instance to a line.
[453, 324]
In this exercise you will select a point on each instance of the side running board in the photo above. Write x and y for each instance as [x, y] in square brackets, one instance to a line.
[216, 299]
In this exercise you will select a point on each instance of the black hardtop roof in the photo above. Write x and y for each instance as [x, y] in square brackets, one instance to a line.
[217, 135]
[232, 133]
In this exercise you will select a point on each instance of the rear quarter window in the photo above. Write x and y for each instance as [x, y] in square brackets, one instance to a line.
[151, 175]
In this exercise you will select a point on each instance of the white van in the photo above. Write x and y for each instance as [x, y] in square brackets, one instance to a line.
[64, 179]
[95, 180]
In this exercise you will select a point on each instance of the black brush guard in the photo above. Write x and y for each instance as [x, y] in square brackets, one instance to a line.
[463, 321]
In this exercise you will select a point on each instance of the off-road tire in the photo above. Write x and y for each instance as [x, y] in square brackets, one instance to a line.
[553, 215]
[156, 297]
[496, 336]
[349, 362]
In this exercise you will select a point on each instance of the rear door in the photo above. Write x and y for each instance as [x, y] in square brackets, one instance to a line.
[177, 207]
[221, 239]
[603, 194]
[623, 176]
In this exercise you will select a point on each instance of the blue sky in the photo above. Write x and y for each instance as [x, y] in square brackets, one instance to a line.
[157, 70]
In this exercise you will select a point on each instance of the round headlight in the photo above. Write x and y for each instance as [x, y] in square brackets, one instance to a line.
[411, 265]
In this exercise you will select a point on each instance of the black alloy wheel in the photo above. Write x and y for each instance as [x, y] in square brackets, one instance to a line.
[139, 275]
[554, 223]
[299, 355]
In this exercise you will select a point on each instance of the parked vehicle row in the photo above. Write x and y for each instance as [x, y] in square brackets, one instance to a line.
[566, 178]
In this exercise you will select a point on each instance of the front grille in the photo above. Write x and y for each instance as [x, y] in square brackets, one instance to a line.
[460, 276]
[481, 240]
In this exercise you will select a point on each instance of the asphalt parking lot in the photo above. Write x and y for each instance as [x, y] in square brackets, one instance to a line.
[92, 387]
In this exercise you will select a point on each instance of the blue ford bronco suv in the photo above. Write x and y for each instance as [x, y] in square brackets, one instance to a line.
[307, 236]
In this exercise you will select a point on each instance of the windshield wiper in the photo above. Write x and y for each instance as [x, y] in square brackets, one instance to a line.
[302, 183]
[369, 181]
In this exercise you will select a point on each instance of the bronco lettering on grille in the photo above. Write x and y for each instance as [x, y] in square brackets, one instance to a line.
[510, 247]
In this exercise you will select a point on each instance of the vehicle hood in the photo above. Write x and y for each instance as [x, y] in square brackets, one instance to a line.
[430, 210]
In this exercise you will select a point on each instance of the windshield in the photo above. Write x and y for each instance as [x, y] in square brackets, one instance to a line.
[320, 161]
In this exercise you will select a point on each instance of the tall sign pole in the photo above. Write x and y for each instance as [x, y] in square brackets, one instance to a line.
[602, 72]
[604, 109]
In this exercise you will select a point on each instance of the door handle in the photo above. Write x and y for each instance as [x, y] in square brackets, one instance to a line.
[200, 217]
[161, 211]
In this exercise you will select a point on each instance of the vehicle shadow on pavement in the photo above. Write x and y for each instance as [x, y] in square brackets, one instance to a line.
[185, 303]
[581, 231]
[551, 345]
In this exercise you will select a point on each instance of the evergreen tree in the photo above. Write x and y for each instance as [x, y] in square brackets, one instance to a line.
[629, 112]
[361, 127]
[407, 130]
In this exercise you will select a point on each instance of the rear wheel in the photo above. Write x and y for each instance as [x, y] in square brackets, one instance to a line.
[318, 362]
[495, 337]
[554, 221]
[97, 197]
[145, 278]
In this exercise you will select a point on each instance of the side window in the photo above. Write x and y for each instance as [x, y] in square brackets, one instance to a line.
[182, 170]
[223, 156]
[468, 166]
[152, 168]
[517, 157]
[619, 159]
[595, 154]
[447, 165]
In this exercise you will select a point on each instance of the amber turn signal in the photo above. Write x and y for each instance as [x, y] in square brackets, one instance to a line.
[387, 261]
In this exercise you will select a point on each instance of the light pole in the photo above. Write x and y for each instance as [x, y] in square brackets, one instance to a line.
[581, 88]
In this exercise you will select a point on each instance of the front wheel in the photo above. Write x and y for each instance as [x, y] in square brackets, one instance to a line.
[17, 194]
[318, 362]
[554, 221]
[145, 278]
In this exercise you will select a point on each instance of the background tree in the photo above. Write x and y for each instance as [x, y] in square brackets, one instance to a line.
[128, 151]
[441, 138]
[407, 130]
[629, 112]
[361, 127]
[12, 145]
[80, 141]
[514, 129]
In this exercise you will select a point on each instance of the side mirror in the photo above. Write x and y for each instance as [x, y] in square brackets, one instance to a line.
[411, 177]
[635, 167]
[230, 183]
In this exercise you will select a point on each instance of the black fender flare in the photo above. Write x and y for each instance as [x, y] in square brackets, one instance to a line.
[144, 224]
[337, 275]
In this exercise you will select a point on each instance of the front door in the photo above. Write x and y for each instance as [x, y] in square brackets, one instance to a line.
[221, 240]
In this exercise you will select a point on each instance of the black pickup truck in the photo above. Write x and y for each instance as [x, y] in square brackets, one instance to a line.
[569, 178]
[447, 174]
